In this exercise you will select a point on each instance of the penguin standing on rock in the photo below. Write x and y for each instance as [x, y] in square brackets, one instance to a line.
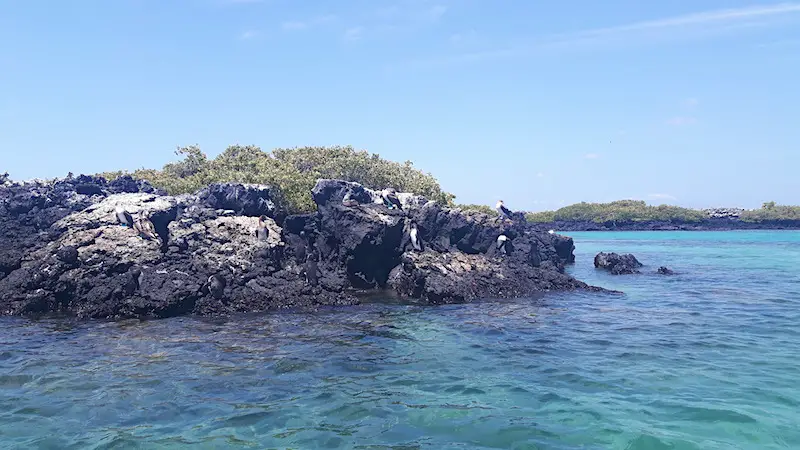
[413, 233]
[123, 217]
[262, 232]
[501, 244]
[135, 277]
[311, 268]
[216, 285]
[501, 209]
[390, 199]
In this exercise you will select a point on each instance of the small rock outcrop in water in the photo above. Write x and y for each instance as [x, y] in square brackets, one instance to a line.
[62, 250]
[617, 264]
[663, 270]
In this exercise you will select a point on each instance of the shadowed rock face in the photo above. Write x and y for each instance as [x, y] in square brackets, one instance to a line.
[617, 264]
[62, 251]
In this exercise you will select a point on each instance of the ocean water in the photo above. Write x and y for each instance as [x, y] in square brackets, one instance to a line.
[706, 359]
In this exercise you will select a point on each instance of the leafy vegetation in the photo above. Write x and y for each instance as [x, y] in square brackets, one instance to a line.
[770, 211]
[620, 211]
[479, 208]
[294, 171]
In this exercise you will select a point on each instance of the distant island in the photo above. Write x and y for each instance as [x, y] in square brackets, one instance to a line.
[636, 215]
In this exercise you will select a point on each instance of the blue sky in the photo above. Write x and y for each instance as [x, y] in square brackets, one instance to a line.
[694, 103]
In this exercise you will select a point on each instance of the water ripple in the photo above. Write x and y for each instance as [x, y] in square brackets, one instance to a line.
[705, 359]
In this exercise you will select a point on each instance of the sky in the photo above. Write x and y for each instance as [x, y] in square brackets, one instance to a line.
[542, 104]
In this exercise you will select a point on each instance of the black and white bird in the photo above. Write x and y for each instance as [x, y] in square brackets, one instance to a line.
[135, 278]
[311, 268]
[216, 285]
[390, 199]
[123, 217]
[502, 210]
[262, 232]
[413, 233]
[501, 244]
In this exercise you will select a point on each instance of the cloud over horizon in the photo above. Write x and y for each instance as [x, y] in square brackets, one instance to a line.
[676, 27]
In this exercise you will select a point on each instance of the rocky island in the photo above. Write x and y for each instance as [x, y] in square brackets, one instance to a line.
[230, 248]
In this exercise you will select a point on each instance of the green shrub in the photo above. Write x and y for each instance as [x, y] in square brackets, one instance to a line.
[479, 208]
[770, 211]
[541, 217]
[295, 171]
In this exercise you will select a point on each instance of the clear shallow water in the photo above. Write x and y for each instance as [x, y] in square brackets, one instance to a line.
[706, 359]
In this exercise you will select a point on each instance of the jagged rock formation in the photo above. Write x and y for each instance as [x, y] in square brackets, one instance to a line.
[63, 251]
[617, 264]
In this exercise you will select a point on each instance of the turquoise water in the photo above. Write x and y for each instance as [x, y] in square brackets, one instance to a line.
[707, 359]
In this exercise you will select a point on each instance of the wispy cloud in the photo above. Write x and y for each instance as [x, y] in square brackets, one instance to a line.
[353, 33]
[691, 102]
[468, 37]
[540, 175]
[780, 43]
[677, 27]
[663, 196]
[591, 156]
[296, 25]
[681, 121]
[403, 16]
[249, 34]
[435, 12]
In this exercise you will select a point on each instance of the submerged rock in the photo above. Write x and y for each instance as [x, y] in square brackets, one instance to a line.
[665, 271]
[617, 264]
[63, 250]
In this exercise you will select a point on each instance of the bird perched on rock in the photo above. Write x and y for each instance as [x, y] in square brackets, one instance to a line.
[145, 227]
[311, 268]
[348, 199]
[501, 209]
[262, 232]
[123, 217]
[135, 278]
[501, 244]
[390, 199]
[413, 233]
[216, 285]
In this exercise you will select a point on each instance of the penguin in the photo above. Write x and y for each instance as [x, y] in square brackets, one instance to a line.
[413, 233]
[311, 269]
[390, 199]
[145, 227]
[135, 277]
[216, 285]
[262, 232]
[123, 217]
[501, 243]
[502, 210]
[348, 199]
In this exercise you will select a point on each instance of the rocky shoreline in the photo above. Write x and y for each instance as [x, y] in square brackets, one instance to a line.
[63, 251]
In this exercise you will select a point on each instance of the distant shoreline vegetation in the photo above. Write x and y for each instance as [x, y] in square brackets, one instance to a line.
[639, 211]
